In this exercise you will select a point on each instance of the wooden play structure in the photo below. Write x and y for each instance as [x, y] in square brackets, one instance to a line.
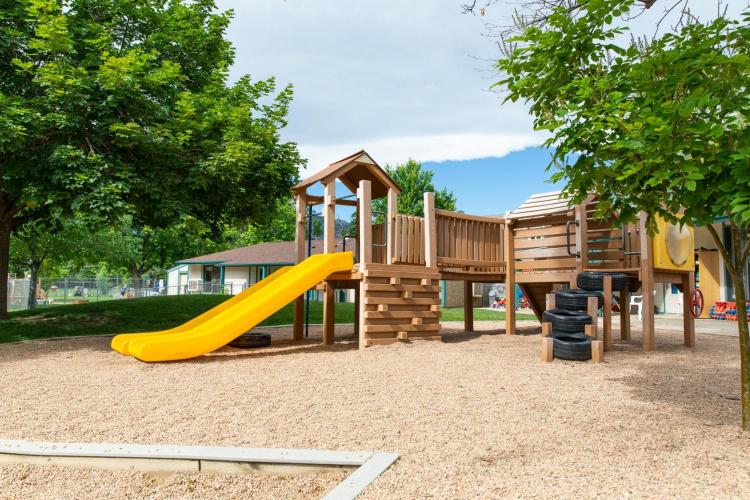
[540, 246]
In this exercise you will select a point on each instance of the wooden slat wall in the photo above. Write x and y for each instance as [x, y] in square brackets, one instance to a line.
[606, 246]
[471, 242]
[378, 238]
[409, 246]
[542, 248]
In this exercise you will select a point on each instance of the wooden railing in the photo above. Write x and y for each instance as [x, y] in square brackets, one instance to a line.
[379, 243]
[409, 240]
[469, 241]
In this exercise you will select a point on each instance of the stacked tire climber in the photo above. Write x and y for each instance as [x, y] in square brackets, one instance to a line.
[569, 317]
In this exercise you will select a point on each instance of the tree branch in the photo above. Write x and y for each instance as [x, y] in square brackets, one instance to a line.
[722, 250]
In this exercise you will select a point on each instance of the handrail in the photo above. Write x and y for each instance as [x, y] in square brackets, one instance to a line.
[476, 218]
[567, 238]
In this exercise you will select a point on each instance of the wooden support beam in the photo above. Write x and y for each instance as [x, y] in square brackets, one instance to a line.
[300, 254]
[647, 286]
[329, 217]
[510, 280]
[430, 231]
[593, 311]
[395, 280]
[407, 294]
[402, 335]
[329, 315]
[625, 314]
[361, 310]
[357, 300]
[688, 284]
[546, 329]
[382, 307]
[390, 221]
[364, 196]
[417, 321]
[590, 331]
[607, 313]
[548, 349]
[550, 301]
[468, 306]
[597, 351]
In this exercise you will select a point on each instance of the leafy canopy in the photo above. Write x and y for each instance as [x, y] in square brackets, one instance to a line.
[124, 106]
[414, 181]
[658, 127]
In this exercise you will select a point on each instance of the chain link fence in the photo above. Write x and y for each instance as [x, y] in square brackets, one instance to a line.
[76, 290]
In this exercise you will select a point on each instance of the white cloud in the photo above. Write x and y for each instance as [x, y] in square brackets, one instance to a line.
[437, 148]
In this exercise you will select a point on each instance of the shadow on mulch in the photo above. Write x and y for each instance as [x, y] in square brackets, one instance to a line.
[702, 382]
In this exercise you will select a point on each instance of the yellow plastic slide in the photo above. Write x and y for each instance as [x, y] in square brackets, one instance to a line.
[224, 323]
[120, 342]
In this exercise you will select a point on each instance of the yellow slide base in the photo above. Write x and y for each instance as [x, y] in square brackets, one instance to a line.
[226, 322]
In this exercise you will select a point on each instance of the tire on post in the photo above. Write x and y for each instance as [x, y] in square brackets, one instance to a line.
[566, 321]
[593, 281]
[576, 300]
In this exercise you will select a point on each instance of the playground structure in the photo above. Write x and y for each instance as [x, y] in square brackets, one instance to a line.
[397, 264]
[541, 246]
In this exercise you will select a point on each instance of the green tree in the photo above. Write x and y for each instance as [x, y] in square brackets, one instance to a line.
[55, 239]
[414, 181]
[122, 106]
[658, 127]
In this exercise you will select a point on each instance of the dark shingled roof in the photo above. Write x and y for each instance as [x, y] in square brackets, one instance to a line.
[277, 252]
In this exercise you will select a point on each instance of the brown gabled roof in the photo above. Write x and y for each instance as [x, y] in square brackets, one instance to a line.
[263, 254]
[350, 170]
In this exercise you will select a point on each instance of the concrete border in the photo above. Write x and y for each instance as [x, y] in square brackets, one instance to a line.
[366, 466]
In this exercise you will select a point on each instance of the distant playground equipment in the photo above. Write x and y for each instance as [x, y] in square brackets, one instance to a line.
[544, 246]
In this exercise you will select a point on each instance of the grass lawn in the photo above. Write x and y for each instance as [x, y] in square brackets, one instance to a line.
[159, 313]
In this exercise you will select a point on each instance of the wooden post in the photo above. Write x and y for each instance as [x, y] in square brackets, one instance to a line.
[590, 330]
[510, 280]
[391, 226]
[430, 236]
[546, 329]
[688, 284]
[625, 314]
[550, 303]
[548, 349]
[329, 246]
[647, 281]
[356, 310]
[582, 242]
[468, 306]
[299, 245]
[597, 351]
[593, 311]
[607, 313]
[329, 217]
[364, 196]
[361, 314]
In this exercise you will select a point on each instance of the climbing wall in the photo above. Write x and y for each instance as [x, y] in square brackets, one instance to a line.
[399, 303]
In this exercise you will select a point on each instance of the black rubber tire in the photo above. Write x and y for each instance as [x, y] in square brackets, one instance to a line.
[574, 336]
[573, 349]
[565, 321]
[251, 341]
[593, 281]
[576, 300]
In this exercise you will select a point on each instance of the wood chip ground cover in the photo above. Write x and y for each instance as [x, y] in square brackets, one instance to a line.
[475, 416]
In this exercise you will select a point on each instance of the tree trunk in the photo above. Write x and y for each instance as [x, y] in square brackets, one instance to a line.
[738, 279]
[34, 277]
[4, 258]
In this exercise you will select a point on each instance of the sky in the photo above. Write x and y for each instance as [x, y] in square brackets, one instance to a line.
[402, 80]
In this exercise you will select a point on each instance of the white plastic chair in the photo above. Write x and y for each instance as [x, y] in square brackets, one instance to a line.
[637, 301]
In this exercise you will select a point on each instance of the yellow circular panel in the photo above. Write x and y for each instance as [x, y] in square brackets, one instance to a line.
[679, 243]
